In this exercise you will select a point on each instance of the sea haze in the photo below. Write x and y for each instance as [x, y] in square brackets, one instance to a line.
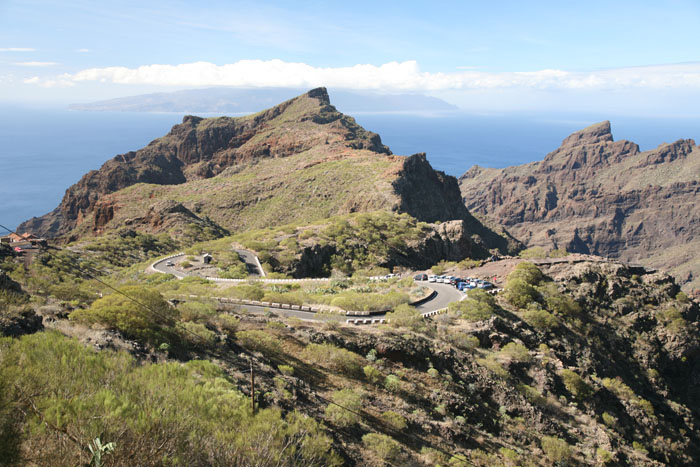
[44, 151]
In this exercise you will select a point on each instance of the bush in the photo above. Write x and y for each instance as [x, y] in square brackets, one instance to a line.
[540, 319]
[227, 323]
[195, 311]
[372, 374]
[335, 358]
[527, 272]
[534, 252]
[382, 446]
[405, 316]
[349, 399]
[259, 341]
[514, 352]
[556, 449]
[575, 384]
[681, 297]
[478, 306]
[462, 340]
[557, 302]
[392, 383]
[394, 420]
[604, 456]
[152, 325]
[196, 335]
[519, 293]
[287, 370]
[191, 411]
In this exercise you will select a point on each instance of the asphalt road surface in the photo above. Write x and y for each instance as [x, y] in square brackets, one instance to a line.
[445, 295]
[249, 259]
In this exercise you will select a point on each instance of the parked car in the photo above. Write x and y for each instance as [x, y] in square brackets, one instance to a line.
[169, 264]
[432, 278]
[462, 286]
[486, 285]
[420, 277]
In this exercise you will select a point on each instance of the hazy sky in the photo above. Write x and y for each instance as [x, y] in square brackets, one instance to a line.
[635, 57]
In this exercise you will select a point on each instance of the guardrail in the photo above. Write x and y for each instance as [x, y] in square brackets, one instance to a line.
[385, 321]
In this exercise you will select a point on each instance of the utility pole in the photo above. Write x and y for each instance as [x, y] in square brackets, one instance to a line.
[252, 386]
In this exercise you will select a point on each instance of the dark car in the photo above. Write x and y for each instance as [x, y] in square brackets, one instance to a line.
[420, 277]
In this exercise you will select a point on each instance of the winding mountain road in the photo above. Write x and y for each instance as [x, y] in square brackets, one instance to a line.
[444, 295]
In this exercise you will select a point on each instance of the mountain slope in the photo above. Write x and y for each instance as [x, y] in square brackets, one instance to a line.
[297, 162]
[600, 196]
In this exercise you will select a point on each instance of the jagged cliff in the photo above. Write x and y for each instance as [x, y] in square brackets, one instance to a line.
[600, 196]
[297, 162]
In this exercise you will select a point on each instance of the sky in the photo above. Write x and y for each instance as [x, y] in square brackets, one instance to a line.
[626, 57]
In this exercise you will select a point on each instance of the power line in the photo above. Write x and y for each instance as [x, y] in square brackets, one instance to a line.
[197, 336]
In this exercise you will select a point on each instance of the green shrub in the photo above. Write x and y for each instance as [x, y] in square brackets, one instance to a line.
[681, 297]
[515, 352]
[609, 420]
[557, 302]
[557, 253]
[462, 340]
[433, 373]
[519, 293]
[527, 272]
[372, 374]
[534, 252]
[382, 446]
[196, 311]
[639, 447]
[406, 316]
[604, 456]
[469, 263]
[196, 335]
[493, 365]
[478, 306]
[347, 398]
[227, 323]
[672, 319]
[575, 384]
[246, 292]
[540, 319]
[190, 411]
[259, 341]
[394, 420]
[392, 383]
[286, 369]
[152, 325]
[335, 358]
[556, 449]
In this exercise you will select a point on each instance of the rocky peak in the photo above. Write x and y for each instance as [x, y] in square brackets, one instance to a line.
[597, 133]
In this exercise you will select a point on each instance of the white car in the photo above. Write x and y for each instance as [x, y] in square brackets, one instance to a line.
[432, 278]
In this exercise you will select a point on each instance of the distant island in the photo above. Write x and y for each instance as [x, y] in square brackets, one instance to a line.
[237, 100]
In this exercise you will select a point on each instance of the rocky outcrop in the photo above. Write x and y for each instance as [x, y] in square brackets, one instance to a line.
[299, 162]
[600, 196]
[202, 148]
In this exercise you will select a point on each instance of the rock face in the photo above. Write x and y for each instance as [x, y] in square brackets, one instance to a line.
[600, 196]
[297, 162]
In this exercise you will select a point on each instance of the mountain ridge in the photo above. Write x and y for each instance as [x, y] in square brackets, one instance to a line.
[301, 160]
[600, 196]
[224, 99]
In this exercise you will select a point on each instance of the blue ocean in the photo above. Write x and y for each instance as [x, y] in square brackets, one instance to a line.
[44, 151]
